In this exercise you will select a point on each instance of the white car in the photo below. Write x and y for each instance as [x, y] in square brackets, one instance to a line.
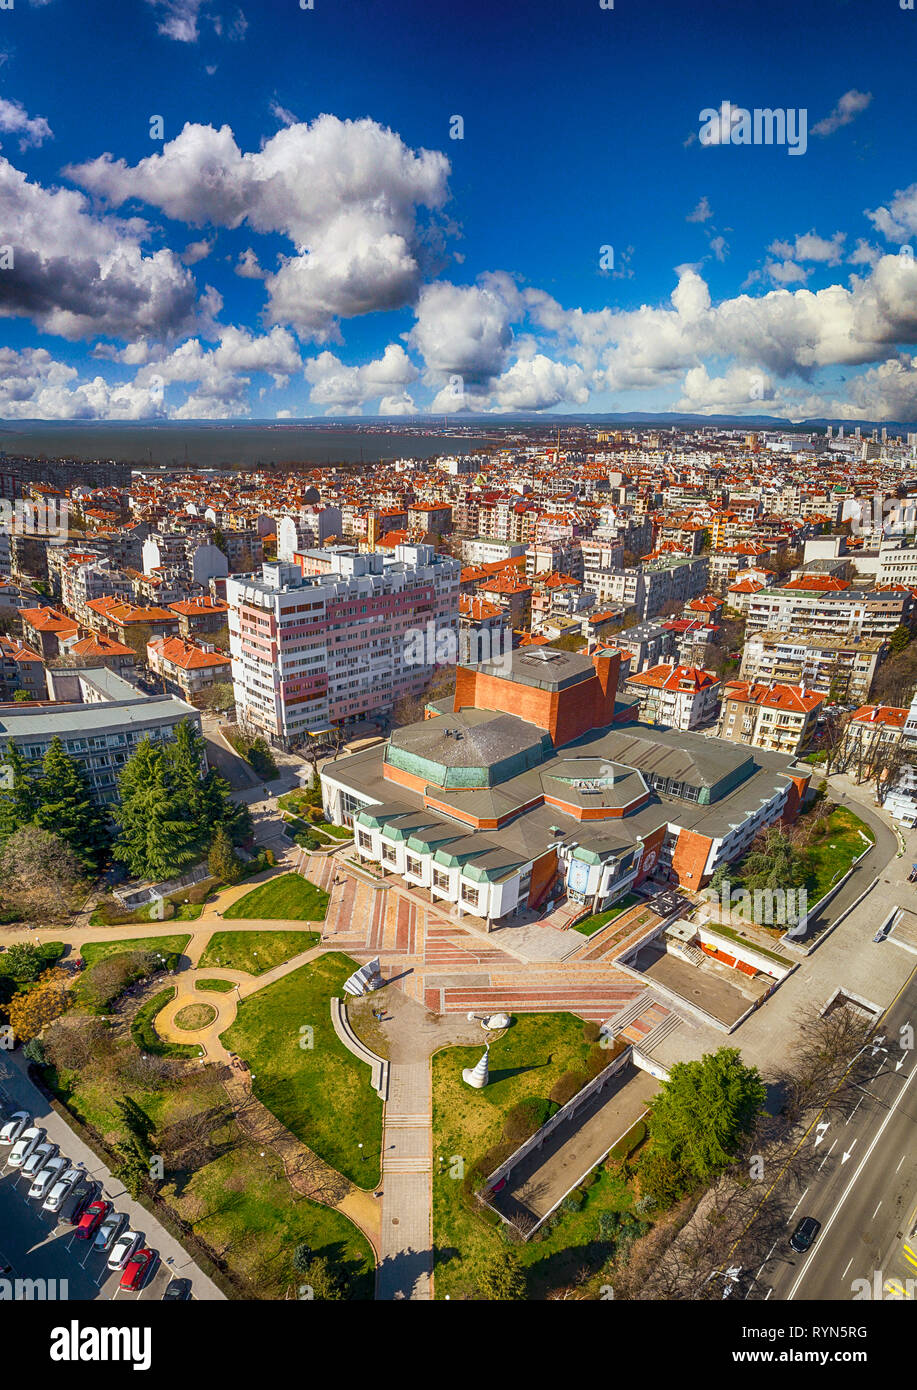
[45, 1180]
[123, 1248]
[55, 1198]
[26, 1144]
[14, 1126]
[110, 1228]
[38, 1158]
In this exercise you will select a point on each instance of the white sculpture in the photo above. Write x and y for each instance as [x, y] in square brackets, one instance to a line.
[496, 1021]
[477, 1076]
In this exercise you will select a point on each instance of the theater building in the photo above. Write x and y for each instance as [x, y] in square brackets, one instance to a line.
[535, 781]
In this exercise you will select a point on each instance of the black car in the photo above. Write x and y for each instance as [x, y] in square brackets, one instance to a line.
[177, 1291]
[804, 1234]
[77, 1200]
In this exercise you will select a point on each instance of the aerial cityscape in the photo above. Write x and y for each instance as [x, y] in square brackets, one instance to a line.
[458, 667]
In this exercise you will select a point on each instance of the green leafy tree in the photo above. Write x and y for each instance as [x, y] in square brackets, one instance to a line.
[66, 808]
[24, 962]
[320, 1275]
[156, 839]
[704, 1111]
[21, 697]
[502, 1278]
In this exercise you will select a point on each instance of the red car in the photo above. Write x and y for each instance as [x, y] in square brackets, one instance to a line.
[138, 1269]
[92, 1219]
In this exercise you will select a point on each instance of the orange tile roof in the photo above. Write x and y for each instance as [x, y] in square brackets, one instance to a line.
[773, 696]
[667, 677]
[890, 715]
[185, 655]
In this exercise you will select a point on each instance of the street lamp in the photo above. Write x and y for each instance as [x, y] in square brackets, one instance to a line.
[362, 1154]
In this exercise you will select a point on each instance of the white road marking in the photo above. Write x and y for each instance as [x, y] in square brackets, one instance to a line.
[900, 1161]
[853, 1178]
[849, 1263]
[826, 1157]
[793, 1212]
[873, 1217]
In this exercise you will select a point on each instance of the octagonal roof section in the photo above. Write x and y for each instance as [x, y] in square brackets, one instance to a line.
[472, 749]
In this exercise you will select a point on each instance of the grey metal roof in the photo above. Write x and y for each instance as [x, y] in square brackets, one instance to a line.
[547, 668]
[73, 719]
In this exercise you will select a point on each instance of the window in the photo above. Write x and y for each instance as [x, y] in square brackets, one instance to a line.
[440, 880]
[388, 855]
[413, 865]
[365, 841]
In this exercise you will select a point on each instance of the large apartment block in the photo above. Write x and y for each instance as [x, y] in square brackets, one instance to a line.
[314, 650]
[875, 613]
[843, 668]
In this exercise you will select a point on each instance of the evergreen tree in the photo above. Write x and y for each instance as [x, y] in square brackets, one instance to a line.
[704, 1111]
[18, 798]
[136, 1121]
[65, 807]
[222, 860]
[156, 839]
[205, 799]
[502, 1278]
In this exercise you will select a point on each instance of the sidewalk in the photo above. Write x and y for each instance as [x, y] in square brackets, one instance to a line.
[25, 1094]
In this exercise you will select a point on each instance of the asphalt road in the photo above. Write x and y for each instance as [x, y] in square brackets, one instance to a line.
[33, 1243]
[37, 1246]
[870, 866]
[864, 1191]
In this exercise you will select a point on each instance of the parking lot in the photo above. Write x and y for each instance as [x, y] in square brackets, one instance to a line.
[36, 1244]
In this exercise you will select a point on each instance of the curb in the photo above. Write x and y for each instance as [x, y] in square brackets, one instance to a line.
[378, 1065]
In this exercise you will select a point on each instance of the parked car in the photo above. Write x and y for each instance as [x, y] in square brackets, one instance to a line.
[45, 1180]
[14, 1126]
[77, 1200]
[93, 1216]
[55, 1198]
[177, 1290]
[138, 1269]
[804, 1234]
[25, 1145]
[110, 1229]
[38, 1158]
[123, 1249]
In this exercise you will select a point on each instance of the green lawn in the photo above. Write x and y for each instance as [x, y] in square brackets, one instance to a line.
[525, 1062]
[831, 855]
[239, 1203]
[220, 986]
[289, 897]
[590, 925]
[256, 951]
[321, 1093]
[243, 1206]
[148, 1040]
[94, 951]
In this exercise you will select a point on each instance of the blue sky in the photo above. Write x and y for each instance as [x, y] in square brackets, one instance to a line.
[307, 239]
